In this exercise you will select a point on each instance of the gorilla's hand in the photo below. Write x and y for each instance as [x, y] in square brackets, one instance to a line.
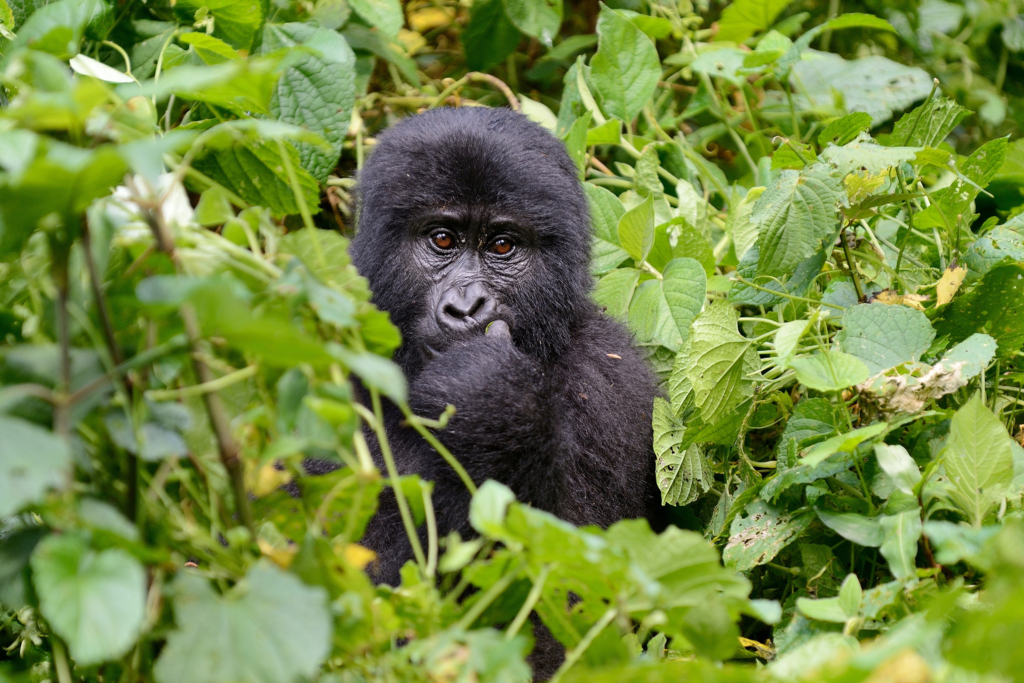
[500, 397]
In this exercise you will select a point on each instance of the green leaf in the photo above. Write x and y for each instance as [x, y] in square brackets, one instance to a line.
[58, 28]
[955, 542]
[376, 371]
[874, 84]
[256, 173]
[636, 229]
[386, 15]
[955, 200]
[234, 21]
[845, 129]
[928, 124]
[211, 50]
[538, 18]
[743, 18]
[825, 609]
[866, 155]
[608, 133]
[489, 507]
[884, 336]
[722, 362]
[992, 248]
[94, 601]
[795, 217]
[901, 533]
[978, 460]
[844, 443]
[995, 306]
[605, 212]
[270, 628]
[829, 371]
[625, 70]
[865, 531]
[317, 92]
[760, 533]
[684, 285]
[683, 475]
[738, 224]
[787, 340]
[975, 352]
[615, 290]
[489, 36]
[32, 460]
[650, 318]
[897, 463]
[575, 138]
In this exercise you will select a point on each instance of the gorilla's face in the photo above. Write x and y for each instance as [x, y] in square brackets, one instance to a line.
[469, 217]
[472, 260]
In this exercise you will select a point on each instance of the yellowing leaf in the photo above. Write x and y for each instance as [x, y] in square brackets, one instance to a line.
[358, 556]
[427, 19]
[268, 479]
[282, 557]
[948, 284]
[889, 297]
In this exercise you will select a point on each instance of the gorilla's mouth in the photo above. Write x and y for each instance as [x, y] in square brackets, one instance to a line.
[436, 343]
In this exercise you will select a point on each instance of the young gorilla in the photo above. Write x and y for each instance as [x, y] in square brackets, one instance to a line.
[475, 236]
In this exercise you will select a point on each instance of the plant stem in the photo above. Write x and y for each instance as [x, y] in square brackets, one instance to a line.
[531, 602]
[60, 661]
[377, 425]
[851, 265]
[573, 655]
[61, 414]
[440, 448]
[205, 388]
[300, 201]
[489, 596]
[431, 521]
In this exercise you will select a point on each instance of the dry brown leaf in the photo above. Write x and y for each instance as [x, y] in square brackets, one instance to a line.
[891, 298]
[948, 284]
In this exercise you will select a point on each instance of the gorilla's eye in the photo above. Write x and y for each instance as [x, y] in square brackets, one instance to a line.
[502, 245]
[443, 239]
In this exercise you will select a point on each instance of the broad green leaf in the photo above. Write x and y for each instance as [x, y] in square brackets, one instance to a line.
[978, 460]
[32, 460]
[955, 200]
[795, 283]
[646, 170]
[953, 542]
[850, 595]
[829, 371]
[739, 226]
[636, 229]
[575, 138]
[625, 70]
[901, 532]
[683, 475]
[234, 21]
[317, 92]
[239, 85]
[386, 15]
[489, 507]
[684, 285]
[825, 609]
[270, 628]
[975, 353]
[724, 63]
[787, 340]
[605, 212]
[866, 156]
[650, 318]
[614, 291]
[211, 50]
[865, 531]
[376, 371]
[489, 37]
[538, 18]
[995, 306]
[992, 248]
[884, 336]
[743, 18]
[928, 124]
[605, 256]
[608, 133]
[94, 601]
[897, 463]
[795, 217]
[256, 173]
[722, 362]
[360, 37]
[844, 443]
[873, 84]
[58, 28]
[844, 129]
[760, 532]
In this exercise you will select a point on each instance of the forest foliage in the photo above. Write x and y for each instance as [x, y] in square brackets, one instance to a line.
[811, 217]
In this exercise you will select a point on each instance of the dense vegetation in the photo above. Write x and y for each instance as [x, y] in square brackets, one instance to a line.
[820, 246]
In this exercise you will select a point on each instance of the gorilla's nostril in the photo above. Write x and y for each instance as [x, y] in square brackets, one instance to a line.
[477, 305]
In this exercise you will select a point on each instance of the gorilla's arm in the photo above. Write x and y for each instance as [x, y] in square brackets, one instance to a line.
[573, 439]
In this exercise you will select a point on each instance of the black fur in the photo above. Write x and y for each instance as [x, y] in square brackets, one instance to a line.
[560, 408]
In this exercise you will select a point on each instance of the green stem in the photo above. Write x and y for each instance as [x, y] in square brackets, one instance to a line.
[851, 265]
[60, 662]
[489, 596]
[431, 520]
[531, 602]
[300, 200]
[376, 422]
[440, 448]
[204, 388]
[574, 655]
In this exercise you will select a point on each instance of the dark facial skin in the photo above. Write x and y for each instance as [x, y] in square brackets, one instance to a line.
[472, 258]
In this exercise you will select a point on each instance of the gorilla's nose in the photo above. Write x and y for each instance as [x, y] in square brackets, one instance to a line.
[465, 308]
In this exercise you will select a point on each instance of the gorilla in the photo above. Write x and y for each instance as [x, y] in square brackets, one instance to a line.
[475, 236]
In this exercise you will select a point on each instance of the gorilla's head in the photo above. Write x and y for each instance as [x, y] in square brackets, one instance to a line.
[469, 216]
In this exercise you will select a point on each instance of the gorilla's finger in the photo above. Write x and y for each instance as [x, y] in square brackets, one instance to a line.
[498, 329]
